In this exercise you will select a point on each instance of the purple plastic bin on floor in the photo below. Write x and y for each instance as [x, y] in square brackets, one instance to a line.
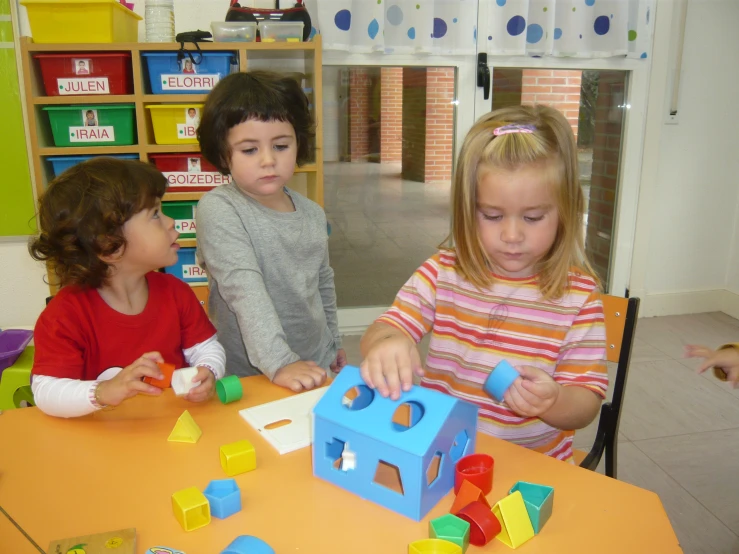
[12, 344]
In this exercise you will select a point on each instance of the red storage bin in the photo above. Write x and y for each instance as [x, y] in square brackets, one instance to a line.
[188, 172]
[86, 73]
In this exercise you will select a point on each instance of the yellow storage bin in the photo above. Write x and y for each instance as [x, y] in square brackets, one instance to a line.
[175, 123]
[88, 21]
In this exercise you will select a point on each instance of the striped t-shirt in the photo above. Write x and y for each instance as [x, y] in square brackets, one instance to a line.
[472, 330]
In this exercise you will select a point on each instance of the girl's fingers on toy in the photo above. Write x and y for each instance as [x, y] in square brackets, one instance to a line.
[155, 357]
[364, 372]
[522, 406]
[146, 368]
[392, 378]
[531, 391]
[143, 388]
[306, 380]
[405, 371]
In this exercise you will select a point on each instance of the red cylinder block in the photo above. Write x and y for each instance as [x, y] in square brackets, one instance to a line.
[484, 526]
[477, 469]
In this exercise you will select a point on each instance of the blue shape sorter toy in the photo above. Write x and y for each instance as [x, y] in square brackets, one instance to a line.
[406, 466]
[500, 380]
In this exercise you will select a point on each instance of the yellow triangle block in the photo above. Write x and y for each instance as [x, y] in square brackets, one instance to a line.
[185, 430]
[515, 524]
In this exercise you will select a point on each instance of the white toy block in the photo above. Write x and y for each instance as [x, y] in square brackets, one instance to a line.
[182, 380]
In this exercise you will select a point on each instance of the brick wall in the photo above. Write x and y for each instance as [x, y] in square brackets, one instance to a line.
[604, 180]
[557, 88]
[359, 112]
[414, 124]
[439, 124]
[507, 87]
[391, 118]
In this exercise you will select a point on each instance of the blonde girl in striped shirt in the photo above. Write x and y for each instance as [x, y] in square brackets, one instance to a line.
[510, 282]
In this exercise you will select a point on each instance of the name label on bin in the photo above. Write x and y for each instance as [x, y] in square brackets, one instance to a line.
[185, 131]
[189, 82]
[184, 225]
[192, 271]
[204, 178]
[91, 134]
[83, 85]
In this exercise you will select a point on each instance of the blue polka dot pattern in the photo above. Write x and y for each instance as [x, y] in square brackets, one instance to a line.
[394, 15]
[589, 2]
[534, 33]
[439, 28]
[601, 25]
[412, 33]
[500, 2]
[373, 28]
[643, 55]
[516, 25]
[343, 19]
[557, 33]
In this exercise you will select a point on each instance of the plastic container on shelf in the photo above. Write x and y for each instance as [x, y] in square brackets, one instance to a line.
[281, 31]
[199, 74]
[60, 164]
[175, 123]
[93, 125]
[86, 73]
[159, 20]
[187, 268]
[234, 31]
[183, 213]
[188, 172]
[87, 21]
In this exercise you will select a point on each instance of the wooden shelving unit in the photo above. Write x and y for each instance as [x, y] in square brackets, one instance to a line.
[302, 58]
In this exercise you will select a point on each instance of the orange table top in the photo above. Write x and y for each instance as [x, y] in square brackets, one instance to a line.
[115, 469]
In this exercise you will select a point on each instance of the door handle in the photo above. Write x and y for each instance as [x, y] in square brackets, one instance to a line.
[483, 74]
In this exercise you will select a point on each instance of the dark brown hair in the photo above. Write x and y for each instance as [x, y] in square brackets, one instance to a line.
[82, 215]
[260, 95]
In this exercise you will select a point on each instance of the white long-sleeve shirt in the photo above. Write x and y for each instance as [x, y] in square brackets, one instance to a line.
[74, 398]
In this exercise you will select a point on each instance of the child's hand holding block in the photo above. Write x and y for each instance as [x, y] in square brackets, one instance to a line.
[182, 380]
[500, 380]
[166, 380]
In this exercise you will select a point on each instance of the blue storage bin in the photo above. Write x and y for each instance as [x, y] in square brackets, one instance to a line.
[168, 75]
[186, 267]
[60, 164]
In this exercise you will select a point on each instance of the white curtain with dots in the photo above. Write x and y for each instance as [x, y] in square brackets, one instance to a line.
[397, 26]
[570, 28]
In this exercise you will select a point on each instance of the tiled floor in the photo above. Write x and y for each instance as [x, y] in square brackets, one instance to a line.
[679, 433]
[382, 229]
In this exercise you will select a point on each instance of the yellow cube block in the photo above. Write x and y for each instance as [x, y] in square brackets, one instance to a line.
[191, 508]
[238, 457]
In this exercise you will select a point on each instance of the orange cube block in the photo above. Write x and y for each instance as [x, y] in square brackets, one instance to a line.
[166, 381]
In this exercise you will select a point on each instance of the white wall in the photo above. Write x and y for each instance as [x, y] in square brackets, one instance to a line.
[689, 190]
[22, 289]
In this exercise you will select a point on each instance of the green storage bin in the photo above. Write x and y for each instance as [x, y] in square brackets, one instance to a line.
[93, 125]
[183, 214]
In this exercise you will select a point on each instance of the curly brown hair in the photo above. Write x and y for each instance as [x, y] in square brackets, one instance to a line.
[260, 95]
[82, 213]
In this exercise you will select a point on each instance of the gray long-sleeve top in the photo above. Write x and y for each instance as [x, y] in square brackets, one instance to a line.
[272, 296]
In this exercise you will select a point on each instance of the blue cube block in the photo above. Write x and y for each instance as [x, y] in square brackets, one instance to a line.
[224, 497]
[500, 380]
[247, 544]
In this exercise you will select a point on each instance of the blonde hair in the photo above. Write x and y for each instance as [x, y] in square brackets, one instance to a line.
[552, 144]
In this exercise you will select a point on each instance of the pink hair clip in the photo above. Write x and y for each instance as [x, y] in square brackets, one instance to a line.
[513, 128]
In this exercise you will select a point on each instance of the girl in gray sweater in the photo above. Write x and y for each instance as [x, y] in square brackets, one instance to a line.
[265, 247]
